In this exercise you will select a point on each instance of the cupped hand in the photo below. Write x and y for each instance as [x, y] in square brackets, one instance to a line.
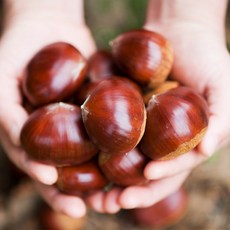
[24, 34]
[201, 61]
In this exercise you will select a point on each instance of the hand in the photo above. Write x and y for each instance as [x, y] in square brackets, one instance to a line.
[201, 62]
[29, 26]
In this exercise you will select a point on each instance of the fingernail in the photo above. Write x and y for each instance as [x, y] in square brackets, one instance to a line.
[75, 211]
[130, 203]
[154, 173]
[209, 145]
[44, 174]
[50, 177]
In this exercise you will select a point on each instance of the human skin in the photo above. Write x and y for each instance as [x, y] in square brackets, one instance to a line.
[196, 31]
[28, 27]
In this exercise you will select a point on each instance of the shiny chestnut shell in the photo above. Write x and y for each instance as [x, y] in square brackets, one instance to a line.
[114, 115]
[53, 74]
[176, 122]
[101, 65]
[123, 169]
[165, 213]
[55, 135]
[143, 55]
[81, 179]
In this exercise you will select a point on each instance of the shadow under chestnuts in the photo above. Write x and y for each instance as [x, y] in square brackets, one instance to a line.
[100, 121]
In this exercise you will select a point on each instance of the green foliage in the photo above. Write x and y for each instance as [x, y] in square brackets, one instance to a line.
[108, 18]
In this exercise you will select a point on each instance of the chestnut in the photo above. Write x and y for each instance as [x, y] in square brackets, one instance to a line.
[55, 134]
[53, 74]
[165, 213]
[143, 55]
[81, 179]
[162, 88]
[101, 65]
[176, 122]
[123, 169]
[114, 115]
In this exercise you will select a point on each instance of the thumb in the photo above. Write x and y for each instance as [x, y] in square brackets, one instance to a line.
[218, 132]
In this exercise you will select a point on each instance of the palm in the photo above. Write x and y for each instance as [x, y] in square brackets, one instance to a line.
[202, 62]
[22, 38]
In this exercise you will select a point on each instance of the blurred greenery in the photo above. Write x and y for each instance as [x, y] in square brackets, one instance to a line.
[108, 18]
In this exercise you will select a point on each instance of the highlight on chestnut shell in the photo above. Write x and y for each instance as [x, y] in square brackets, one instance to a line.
[114, 115]
[53, 74]
[81, 179]
[123, 169]
[176, 122]
[145, 56]
[55, 135]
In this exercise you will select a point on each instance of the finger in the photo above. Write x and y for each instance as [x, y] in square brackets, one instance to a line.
[145, 196]
[217, 135]
[218, 132]
[12, 119]
[69, 205]
[111, 204]
[160, 169]
[40, 172]
[95, 201]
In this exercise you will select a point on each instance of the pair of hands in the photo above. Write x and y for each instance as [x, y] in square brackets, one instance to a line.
[201, 61]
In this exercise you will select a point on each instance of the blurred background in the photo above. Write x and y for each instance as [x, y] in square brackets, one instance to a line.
[208, 186]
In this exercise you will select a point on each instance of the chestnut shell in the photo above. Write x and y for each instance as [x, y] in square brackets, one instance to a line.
[114, 115]
[123, 169]
[55, 135]
[81, 179]
[53, 74]
[176, 122]
[143, 55]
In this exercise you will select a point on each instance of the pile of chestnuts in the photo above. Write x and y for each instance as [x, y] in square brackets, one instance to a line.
[100, 121]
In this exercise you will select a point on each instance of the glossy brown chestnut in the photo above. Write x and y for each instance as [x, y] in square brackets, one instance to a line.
[123, 169]
[114, 115]
[164, 213]
[101, 65]
[53, 74]
[81, 179]
[143, 55]
[176, 122]
[55, 134]
[162, 88]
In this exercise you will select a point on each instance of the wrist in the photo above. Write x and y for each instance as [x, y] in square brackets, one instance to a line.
[70, 11]
[165, 13]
